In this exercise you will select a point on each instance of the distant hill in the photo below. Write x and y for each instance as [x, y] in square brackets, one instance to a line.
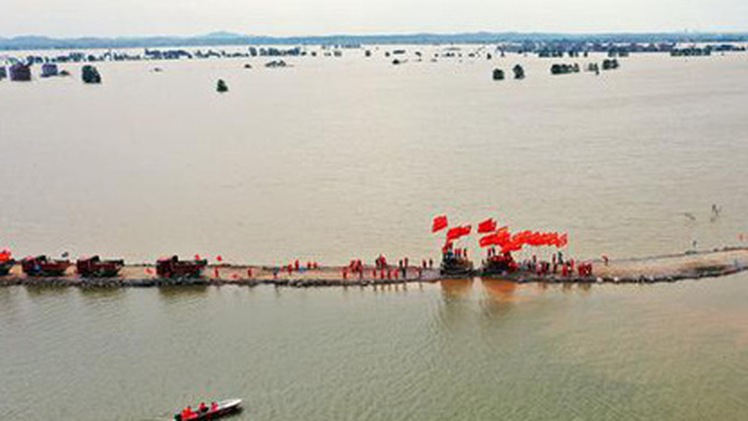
[32, 42]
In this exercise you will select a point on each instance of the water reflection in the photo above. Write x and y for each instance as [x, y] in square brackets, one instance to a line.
[499, 297]
[499, 289]
[456, 307]
[97, 293]
[456, 288]
[46, 290]
[177, 293]
[585, 288]
[390, 288]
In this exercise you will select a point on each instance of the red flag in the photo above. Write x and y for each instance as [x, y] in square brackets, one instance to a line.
[512, 246]
[440, 222]
[457, 232]
[503, 234]
[487, 240]
[489, 225]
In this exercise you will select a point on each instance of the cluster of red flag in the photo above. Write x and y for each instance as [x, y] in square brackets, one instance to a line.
[500, 237]
[515, 242]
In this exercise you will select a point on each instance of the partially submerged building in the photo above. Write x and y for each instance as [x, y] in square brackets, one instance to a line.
[49, 70]
[20, 72]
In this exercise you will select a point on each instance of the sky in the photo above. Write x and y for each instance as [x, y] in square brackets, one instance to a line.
[73, 18]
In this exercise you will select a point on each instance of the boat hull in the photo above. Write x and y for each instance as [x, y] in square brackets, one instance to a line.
[225, 408]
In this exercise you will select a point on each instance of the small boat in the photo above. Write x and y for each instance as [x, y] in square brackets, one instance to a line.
[224, 408]
[42, 266]
[94, 267]
[172, 267]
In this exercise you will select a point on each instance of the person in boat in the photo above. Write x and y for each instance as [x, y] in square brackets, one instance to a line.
[213, 406]
[202, 408]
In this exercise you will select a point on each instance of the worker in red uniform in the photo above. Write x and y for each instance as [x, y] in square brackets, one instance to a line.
[202, 408]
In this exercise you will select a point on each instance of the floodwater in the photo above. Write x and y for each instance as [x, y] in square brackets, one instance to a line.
[459, 350]
[333, 159]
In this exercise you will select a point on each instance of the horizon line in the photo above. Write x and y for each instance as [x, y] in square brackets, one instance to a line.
[231, 34]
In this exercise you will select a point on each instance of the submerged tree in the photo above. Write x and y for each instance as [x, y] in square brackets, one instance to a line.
[610, 64]
[90, 74]
[221, 86]
[564, 69]
[498, 74]
[519, 72]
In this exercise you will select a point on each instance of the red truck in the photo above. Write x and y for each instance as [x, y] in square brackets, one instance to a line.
[94, 267]
[172, 267]
[42, 266]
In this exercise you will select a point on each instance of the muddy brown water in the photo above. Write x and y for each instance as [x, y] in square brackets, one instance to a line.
[333, 160]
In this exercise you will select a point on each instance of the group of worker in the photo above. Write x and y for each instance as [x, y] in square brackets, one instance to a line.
[189, 414]
[298, 267]
[557, 265]
[295, 266]
[380, 262]
[429, 263]
[381, 269]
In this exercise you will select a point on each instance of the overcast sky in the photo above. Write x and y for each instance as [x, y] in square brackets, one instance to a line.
[317, 17]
